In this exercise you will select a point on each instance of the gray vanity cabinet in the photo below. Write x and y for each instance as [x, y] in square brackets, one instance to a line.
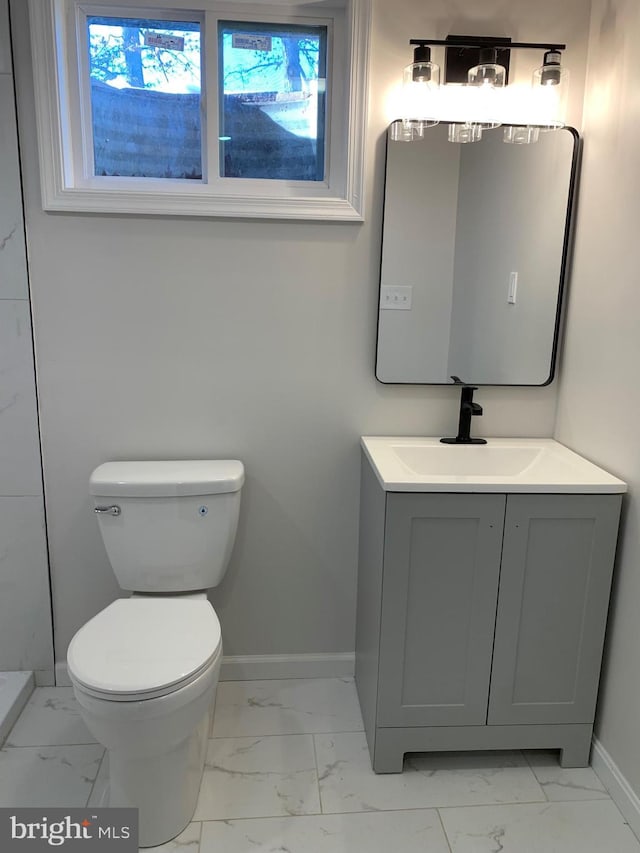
[481, 619]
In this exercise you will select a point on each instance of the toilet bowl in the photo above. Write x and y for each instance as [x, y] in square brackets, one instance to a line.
[144, 672]
[145, 669]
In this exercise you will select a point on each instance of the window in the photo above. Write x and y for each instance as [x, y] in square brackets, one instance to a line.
[199, 108]
[272, 109]
[145, 94]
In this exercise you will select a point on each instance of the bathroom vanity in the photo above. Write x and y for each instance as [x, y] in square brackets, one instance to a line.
[483, 590]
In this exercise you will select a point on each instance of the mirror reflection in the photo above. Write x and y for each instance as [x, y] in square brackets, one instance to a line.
[474, 252]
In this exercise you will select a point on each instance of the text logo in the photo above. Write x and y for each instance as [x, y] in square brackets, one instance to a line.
[33, 830]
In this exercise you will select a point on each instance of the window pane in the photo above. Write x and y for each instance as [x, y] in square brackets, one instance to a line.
[272, 105]
[145, 97]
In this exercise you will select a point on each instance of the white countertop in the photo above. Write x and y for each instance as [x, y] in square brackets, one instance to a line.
[542, 465]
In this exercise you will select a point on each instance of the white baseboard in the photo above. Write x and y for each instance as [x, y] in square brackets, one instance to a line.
[617, 785]
[256, 667]
[267, 667]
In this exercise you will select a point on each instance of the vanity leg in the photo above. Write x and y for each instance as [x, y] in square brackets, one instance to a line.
[390, 764]
[388, 756]
[576, 753]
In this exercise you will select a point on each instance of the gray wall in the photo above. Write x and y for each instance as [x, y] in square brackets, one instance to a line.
[160, 337]
[25, 613]
[599, 406]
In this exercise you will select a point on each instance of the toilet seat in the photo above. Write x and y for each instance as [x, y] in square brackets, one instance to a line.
[145, 647]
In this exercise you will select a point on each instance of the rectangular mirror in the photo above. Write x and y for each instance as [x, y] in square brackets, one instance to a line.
[474, 256]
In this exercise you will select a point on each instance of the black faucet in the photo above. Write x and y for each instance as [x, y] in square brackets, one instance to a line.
[467, 410]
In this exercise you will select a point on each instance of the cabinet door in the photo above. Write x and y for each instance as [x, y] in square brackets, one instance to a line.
[557, 563]
[440, 582]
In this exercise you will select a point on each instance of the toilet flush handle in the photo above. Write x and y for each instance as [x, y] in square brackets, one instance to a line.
[107, 510]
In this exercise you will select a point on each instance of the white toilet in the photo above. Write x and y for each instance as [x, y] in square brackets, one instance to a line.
[145, 669]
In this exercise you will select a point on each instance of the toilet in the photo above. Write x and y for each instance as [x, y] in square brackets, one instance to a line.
[145, 669]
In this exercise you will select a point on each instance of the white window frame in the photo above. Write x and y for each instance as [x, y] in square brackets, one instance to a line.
[61, 109]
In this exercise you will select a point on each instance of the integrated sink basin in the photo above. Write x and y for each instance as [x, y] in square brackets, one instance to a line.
[477, 460]
[501, 465]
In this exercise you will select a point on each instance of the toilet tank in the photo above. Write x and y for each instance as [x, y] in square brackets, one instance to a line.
[168, 526]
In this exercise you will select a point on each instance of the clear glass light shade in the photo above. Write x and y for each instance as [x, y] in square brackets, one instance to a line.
[520, 134]
[550, 96]
[487, 74]
[420, 93]
[464, 132]
[409, 130]
[488, 82]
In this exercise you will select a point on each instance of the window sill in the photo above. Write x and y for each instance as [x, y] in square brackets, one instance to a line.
[187, 204]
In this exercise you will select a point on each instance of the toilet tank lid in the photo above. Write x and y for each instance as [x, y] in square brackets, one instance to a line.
[167, 478]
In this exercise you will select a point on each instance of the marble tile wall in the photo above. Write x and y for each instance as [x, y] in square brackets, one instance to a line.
[25, 613]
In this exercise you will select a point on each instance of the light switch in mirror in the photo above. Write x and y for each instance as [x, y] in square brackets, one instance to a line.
[480, 232]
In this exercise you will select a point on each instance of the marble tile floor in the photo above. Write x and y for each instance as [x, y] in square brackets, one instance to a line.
[288, 772]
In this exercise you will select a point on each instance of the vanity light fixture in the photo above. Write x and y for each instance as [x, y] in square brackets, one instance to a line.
[475, 96]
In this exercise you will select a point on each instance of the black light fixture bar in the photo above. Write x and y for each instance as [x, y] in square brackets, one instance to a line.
[479, 43]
